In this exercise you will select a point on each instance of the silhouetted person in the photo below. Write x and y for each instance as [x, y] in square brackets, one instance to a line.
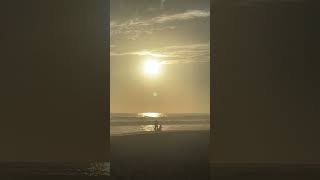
[160, 127]
[156, 125]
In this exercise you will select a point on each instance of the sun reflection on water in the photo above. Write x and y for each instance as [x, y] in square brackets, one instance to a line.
[151, 114]
[150, 127]
[147, 128]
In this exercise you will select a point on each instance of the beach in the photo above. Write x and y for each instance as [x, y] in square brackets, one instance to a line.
[179, 151]
[164, 155]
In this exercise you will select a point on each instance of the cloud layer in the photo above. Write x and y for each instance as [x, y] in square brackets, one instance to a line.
[134, 28]
[193, 53]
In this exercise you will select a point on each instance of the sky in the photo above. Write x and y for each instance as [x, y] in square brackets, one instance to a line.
[173, 33]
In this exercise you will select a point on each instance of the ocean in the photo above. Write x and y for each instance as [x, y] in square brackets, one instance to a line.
[136, 123]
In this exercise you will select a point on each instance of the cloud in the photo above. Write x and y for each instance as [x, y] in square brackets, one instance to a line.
[136, 27]
[179, 54]
[188, 15]
[140, 53]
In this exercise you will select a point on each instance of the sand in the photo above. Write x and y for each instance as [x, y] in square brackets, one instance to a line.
[165, 155]
[156, 156]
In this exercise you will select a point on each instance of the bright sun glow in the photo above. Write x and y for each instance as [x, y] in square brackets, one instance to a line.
[152, 67]
[151, 114]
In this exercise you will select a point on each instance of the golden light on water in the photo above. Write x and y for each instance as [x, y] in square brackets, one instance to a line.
[151, 114]
[148, 128]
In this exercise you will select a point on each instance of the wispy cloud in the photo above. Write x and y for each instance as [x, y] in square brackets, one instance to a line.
[193, 53]
[139, 53]
[134, 28]
[191, 14]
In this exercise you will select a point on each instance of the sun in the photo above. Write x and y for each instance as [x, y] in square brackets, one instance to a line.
[152, 67]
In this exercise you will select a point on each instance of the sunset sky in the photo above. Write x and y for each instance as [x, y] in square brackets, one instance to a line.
[160, 56]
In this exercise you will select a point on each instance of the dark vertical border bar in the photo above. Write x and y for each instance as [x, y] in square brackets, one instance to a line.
[107, 109]
[211, 85]
[54, 80]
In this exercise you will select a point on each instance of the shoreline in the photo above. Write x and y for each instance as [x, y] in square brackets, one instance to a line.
[154, 133]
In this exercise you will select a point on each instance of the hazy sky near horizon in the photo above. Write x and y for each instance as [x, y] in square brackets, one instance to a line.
[173, 33]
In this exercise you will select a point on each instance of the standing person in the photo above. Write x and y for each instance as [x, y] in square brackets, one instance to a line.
[156, 124]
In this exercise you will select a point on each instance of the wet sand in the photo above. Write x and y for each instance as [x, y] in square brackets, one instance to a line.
[165, 155]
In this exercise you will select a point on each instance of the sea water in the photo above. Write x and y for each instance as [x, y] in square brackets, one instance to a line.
[131, 123]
